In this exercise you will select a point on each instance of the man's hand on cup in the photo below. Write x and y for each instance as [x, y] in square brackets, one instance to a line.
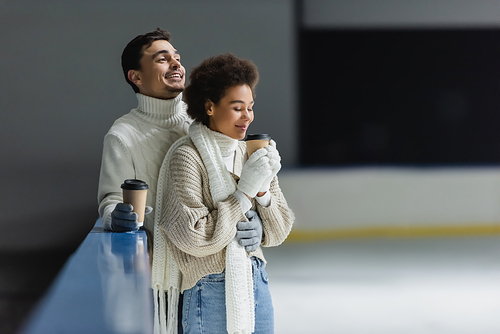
[123, 219]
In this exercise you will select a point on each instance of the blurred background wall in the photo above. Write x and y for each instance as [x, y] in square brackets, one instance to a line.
[398, 118]
[63, 88]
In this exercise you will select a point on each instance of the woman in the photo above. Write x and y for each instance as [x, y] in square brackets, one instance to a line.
[206, 186]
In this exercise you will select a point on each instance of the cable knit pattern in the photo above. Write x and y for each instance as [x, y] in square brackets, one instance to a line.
[199, 229]
[135, 146]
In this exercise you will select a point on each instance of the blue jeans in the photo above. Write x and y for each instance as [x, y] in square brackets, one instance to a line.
[204, 305]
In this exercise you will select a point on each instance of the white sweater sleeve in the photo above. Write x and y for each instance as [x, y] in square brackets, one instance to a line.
[243, 200]
[116, 167]
[264, 200]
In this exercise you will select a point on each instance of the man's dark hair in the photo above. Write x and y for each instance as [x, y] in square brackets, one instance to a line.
[133, 52]
[211, 79]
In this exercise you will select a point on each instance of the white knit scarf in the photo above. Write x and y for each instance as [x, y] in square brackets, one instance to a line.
[239, 285]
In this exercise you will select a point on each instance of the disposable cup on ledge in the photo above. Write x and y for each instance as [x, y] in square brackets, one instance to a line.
[135, 192]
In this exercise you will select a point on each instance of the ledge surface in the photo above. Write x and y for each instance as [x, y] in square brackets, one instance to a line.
[103, 288]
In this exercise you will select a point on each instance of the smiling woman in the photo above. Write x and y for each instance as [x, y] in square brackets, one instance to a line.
[233, 114]
[217, 78]
[215, 207]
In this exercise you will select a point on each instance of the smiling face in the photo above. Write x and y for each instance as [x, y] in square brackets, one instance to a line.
[233, 113]
[161, 74]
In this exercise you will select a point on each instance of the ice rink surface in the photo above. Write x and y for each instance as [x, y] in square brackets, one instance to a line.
[387, 286]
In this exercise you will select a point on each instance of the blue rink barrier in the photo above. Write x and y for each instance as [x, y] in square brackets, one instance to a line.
[104, 287]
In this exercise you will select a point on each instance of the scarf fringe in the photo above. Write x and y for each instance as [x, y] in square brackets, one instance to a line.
[160, 326]
[173, 305]
[165, 275]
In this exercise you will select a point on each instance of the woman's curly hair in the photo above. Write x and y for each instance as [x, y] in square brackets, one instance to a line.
[211, 79]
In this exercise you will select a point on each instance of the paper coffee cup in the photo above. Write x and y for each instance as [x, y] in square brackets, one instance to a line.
[257, 141]
[135, 192]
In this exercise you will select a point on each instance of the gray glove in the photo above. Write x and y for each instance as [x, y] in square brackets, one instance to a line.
[123, 219]
[249, 233]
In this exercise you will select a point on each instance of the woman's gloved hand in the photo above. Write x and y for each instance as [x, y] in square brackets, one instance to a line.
[255, 171]
[249, 233]
[123, 219]
[274, 162]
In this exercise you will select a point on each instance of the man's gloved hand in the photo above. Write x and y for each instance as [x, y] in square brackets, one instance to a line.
[123, 219]
[274, 162]
[249, 233]
[255, 171]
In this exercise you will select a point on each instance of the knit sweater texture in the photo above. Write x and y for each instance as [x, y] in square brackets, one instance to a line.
[198, 230]
[135, 146]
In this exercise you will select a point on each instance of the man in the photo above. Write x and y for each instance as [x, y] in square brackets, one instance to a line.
[136, 144]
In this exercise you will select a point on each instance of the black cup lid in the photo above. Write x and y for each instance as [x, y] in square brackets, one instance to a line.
[258, 136]
[134, 184]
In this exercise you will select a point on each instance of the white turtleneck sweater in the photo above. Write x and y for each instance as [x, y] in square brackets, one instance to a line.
[135, 146]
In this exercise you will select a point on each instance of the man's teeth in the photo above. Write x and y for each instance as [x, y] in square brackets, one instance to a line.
[174, 76]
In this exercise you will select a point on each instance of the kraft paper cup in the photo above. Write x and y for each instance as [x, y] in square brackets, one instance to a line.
[257, 141]
[135, 192]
